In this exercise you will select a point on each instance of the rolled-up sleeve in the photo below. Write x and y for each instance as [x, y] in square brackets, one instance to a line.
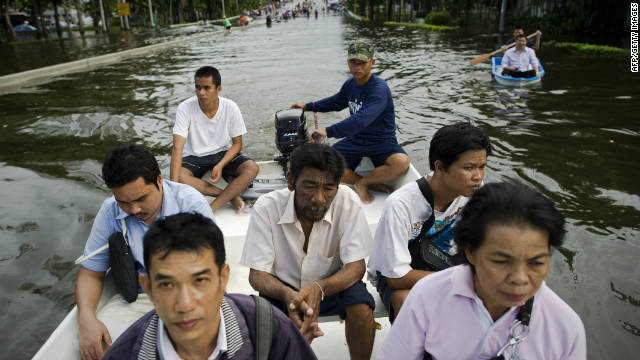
[103, 226]
[258, 252]
[194, 201]
[236, 122]
[391, 255]
[356, 240]
[181, 126]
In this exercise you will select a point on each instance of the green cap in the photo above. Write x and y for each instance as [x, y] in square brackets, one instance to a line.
[360, 50]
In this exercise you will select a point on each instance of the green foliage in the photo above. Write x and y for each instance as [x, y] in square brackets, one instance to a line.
[421, 26]
[439, 18]
[590, 48]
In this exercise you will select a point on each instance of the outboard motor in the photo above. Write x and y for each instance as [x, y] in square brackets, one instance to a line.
[291, 132]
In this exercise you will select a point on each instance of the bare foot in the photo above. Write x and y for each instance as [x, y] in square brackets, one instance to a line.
[381, 188]
[238, 204]
[364, 193]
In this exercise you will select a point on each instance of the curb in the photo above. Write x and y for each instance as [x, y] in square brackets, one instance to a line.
[14, 82]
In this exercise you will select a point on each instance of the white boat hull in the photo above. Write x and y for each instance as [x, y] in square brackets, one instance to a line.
[496, 71]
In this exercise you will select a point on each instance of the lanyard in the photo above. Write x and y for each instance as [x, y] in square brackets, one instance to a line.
[518, 331]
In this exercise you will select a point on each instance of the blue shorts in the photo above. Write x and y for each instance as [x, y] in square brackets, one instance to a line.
[378, 152]
[335, 304]
[386, 292]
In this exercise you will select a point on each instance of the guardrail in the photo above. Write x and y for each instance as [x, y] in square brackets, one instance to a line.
[14, 82]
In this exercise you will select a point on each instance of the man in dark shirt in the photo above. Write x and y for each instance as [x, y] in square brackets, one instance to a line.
[370, 130]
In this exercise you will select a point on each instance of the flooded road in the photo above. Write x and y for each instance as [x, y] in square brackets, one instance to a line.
[575, 137]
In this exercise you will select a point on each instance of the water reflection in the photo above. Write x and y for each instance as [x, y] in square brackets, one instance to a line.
[573, 138]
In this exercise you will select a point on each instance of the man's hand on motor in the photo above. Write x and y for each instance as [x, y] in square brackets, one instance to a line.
[94, 339]
[299, 106]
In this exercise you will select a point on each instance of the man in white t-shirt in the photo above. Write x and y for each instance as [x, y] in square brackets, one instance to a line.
[307, 247]
[207, 136]
[457, 158]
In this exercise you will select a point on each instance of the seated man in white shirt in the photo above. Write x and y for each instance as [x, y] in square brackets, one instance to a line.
[457, 158]
[207, 136]
[520, 61]
[306, 247]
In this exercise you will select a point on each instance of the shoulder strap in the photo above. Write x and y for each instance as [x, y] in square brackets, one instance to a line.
[264, 327]
[425, 189]
[124, 230]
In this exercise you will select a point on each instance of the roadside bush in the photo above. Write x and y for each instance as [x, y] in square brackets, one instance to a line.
[439, 18]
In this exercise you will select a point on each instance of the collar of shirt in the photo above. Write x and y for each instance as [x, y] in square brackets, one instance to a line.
[168, 352]
[463, 285]
[169, 204]
[289, 215]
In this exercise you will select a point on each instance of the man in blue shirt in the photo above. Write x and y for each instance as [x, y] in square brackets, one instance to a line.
[370, 130]
[140, 196]
[520, 61]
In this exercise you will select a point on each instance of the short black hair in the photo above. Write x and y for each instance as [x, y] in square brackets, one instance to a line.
[507, 203]
[209, 71]
[183, 232]
[127, 163]
[450, 141]
[320, 156]
[518, 27]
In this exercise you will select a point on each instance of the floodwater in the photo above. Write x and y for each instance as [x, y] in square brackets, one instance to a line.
[574, 137]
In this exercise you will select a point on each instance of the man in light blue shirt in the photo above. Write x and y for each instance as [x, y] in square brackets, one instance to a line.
[520, 61]
[140, 196]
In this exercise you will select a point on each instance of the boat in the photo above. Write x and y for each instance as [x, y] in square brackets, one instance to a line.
[496, 71]
[25, 28]
[63, 342]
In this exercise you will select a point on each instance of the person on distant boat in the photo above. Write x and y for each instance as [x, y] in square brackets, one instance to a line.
[193, 317]
[496, 305]
[370, 130]
[207, 136]
[519, 30]
[520, 61]
[226, 23]
[140, 196]
[457, 158]
[306, 247]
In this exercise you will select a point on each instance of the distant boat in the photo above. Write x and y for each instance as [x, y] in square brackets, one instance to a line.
[25, 28]
[496, 71]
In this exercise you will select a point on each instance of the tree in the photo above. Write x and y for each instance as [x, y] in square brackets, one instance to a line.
[57, 17]
[11, 34]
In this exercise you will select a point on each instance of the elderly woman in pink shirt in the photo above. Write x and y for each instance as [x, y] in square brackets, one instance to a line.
[497, 306]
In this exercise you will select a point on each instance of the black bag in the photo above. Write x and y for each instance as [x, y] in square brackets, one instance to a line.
[425, 255]
[123, 268]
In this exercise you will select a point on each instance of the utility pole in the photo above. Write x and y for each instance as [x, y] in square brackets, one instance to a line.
[153, 24]
[223, 14]
[104, 22]
[503, 12]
